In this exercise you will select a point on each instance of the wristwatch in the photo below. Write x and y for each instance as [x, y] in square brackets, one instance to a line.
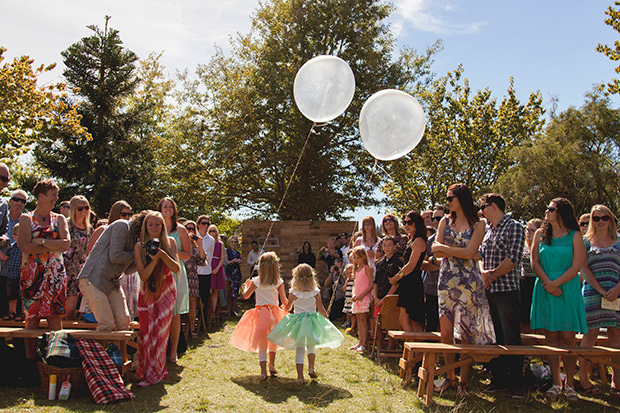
[43, 242]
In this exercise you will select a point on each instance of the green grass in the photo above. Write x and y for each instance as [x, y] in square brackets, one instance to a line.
[213, 376]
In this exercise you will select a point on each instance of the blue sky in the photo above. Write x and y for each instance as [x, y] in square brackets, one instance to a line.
[546, 45]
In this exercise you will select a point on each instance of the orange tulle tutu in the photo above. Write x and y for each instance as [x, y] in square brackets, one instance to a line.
[254, 327]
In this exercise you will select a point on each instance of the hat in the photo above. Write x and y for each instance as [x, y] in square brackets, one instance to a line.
[344, 234]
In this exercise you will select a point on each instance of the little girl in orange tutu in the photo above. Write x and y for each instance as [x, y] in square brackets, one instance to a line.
[256, 324]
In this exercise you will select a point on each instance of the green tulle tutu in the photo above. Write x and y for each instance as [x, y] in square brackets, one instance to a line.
[306, 330]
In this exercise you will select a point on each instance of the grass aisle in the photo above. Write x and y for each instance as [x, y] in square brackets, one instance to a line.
[213, 376]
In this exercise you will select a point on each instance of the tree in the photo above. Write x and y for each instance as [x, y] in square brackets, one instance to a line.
[613, 53]
[243, 133]
[468, 139]
[578, 157]
[28, 111]
[118, 162]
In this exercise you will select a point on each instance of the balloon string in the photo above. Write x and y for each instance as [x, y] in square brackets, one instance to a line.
[290, 181]
[372, 171]
[384, 171]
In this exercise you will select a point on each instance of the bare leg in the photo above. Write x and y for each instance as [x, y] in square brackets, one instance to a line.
[447, 337]
[71, 307]
[175, 330]
[405, 321]
[552, 338]
[362, 321]
[300, 373]
[215, 294]
[568, 340]
[417, 327]
[614, 342]
[272, 363]
[588, 341]
[311, 360]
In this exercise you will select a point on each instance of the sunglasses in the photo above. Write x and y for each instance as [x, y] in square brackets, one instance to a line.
[21, 201]
[82, 208]
[408, 222]
[212, 231]
[191, 228]
[125, 214]
[583, 224]
[437, 219]
[389, 220]
[4, 178]
[483, 206]
[551, 209]
[203, 223]
[605, 218]
[450, 198]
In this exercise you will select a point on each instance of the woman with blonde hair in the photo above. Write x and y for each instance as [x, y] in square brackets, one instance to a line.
[601, 288]
[369, 239]
[80, 231]
[156, 259]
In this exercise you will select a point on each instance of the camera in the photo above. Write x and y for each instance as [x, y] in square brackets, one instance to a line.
[151, 246]
[194, 237]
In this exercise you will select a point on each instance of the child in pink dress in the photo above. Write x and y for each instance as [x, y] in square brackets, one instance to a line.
[362, 288]
[256, 324]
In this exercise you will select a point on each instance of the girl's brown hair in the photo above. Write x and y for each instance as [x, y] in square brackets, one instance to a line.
[269, 268]
[373, 230]
[115, 210]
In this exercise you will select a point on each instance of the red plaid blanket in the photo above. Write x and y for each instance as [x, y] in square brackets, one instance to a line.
[104, 381]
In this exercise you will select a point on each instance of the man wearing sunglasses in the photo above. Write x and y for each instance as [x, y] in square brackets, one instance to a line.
[501, 251]
[10, 258]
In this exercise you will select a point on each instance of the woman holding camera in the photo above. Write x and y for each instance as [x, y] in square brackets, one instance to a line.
[156, 259]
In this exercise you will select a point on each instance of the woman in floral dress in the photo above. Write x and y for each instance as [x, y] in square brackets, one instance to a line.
[43, 237]
[463, 307]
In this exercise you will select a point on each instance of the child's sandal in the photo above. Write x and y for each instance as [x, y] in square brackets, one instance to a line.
[263, 377]
[312, 374]
[300, 381]
[273, 371]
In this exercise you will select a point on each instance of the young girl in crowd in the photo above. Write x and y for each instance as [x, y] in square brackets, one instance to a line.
[348, 299]
[253, 328]
[305, 329]
[362, 286]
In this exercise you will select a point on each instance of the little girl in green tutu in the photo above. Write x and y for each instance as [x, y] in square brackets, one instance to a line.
[305, 328]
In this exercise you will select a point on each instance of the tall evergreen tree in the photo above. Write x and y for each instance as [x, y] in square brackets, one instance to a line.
[116, 163]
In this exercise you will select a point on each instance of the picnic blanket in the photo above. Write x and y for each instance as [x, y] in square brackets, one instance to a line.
[104, 381]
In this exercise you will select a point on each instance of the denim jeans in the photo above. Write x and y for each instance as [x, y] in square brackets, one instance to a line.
[505, 311]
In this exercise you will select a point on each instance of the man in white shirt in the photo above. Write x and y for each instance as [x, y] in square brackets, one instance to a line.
[253, 256]
[204, 271]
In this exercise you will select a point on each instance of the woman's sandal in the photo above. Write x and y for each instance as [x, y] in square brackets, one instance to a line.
[9, 317]
[448, 384]
[614, 392]
[462, 390]
[571, 394]
[554, 391]
[19, 318]
[593, 390]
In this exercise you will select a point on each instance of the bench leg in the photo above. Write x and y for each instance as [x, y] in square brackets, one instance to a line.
[430, 379]
[602, 369]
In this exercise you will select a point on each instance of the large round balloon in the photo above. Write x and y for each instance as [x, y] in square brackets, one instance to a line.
[391, 124]
[324, 87]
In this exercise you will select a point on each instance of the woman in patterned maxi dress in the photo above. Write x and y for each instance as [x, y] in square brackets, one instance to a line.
[463, 307]
[157, 298]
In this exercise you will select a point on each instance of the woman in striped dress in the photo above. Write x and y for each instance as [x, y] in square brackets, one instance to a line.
[601, 288]
[157, 297]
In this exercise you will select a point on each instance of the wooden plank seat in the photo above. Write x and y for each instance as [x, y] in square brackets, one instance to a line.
[408, 361]
[483, 353]
[133, 325]
[119, 338]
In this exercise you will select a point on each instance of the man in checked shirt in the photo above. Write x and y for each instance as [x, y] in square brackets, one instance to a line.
[501, 252]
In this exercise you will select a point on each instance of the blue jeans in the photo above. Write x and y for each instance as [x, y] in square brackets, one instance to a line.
[505, 311]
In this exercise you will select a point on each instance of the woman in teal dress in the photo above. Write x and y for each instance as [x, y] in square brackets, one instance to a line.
[557, 306]
[168, 208]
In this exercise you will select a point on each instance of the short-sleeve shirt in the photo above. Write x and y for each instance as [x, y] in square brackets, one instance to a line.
[266, 294]
[505, 240]
[385, 270]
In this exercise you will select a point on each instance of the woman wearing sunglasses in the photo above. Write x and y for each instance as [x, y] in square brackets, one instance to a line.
[557, 306]
[389, 226]
[463, 307]
[80, 231]
[602, 273]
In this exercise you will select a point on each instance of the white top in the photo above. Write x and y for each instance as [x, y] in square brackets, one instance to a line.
[267, 294]
[208, 243]
[306, 301]
[253, 257]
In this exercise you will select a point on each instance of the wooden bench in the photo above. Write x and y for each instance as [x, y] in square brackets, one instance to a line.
[409, 360]
[119, 338]
[470, 353]
[78, 325]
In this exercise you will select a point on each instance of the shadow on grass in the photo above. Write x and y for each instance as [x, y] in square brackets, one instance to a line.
[279, 390]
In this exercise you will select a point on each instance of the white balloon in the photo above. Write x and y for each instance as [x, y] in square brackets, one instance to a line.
[324, 88]
[391, 124]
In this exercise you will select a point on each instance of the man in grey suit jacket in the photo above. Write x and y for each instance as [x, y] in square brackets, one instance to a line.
[98, 279]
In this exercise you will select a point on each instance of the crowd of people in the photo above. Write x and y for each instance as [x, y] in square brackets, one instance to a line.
[465, 268]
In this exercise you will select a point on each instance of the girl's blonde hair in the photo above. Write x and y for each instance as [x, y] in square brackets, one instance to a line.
[360, 252]
[269, 268]
[217, 232]
[164, 244]
[612, 229]
[303, 278]
[347, 268]
[77, 201]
